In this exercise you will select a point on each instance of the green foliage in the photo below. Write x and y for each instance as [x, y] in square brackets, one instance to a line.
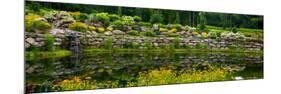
[234, 30]
[156, 18]
[137, 18]
[163, 29]
[171, 34]
[148, 33]
[204, 35]
[174, 30]
[103, 17]
[168, 76]
[177, 43]
[49, 42]
[114, 17]
[145, 24]
[37, 54]
[79, 16]
[91, 28]
[78, 26]
[110, 28]
[76, 84]
[108, 43]
[101, 29]
[147, 45]
[195, 33]
[201, 46]
[35, 22]
[133, 33]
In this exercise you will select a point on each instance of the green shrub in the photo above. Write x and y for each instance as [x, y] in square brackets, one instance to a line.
[177, 43]
[171, 34]
[127, 20]
[173, 30]
[204, 35]
[178, 26]
[101, 29]
[137, 18]
[76, 84]
[145, 24]
[78, 26]
[108, 43]
[147, 45]
[35, 22]
[163, 29]
[91, 28]
[195, 33]
[49, 42]
[234, 30]
[110, 28]
[103, 17]
[114, 17]
[118, 24]
[133, 33]
[79, 16]
[149, 33]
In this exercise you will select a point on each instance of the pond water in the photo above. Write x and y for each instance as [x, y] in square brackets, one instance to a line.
[123, 69]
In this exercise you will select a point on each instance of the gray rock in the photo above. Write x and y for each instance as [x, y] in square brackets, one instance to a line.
[56, 31]
[118, 32]
[30, 40]
[107, 33]
[26, 45]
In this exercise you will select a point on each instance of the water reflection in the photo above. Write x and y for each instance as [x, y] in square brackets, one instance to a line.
[111, 70]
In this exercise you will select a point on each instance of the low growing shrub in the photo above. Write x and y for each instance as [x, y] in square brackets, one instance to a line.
[101, 29]
[78, 26]
[133, 33]
[204, 35]
[49, 42]
[35, 22]
[149, 33]
[91, 28]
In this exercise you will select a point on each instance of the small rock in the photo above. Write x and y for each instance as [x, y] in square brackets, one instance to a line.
[118, 32]
[30, 40]
[107, 33]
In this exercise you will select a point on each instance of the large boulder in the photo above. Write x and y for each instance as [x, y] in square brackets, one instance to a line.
[30, 40]
[107, 33]
[60, 19]
[118, 32]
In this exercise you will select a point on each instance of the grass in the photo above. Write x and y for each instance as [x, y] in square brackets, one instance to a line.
[46, 54]
[172, 50]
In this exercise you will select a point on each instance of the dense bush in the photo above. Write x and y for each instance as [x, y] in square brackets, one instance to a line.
[101, 29]
[163, 29]
[204, 35]
[91, 28]
[145, 24]
[103, 17]
[79, 16]
[35, 22]
[78, 26]
[133, 33]
[148, 33]
[137, 18]
[114, 17]
[110, 28]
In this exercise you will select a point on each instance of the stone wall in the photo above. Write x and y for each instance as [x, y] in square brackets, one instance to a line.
[93, 40]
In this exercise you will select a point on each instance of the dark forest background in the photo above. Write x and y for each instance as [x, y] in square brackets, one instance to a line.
[191, 18]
